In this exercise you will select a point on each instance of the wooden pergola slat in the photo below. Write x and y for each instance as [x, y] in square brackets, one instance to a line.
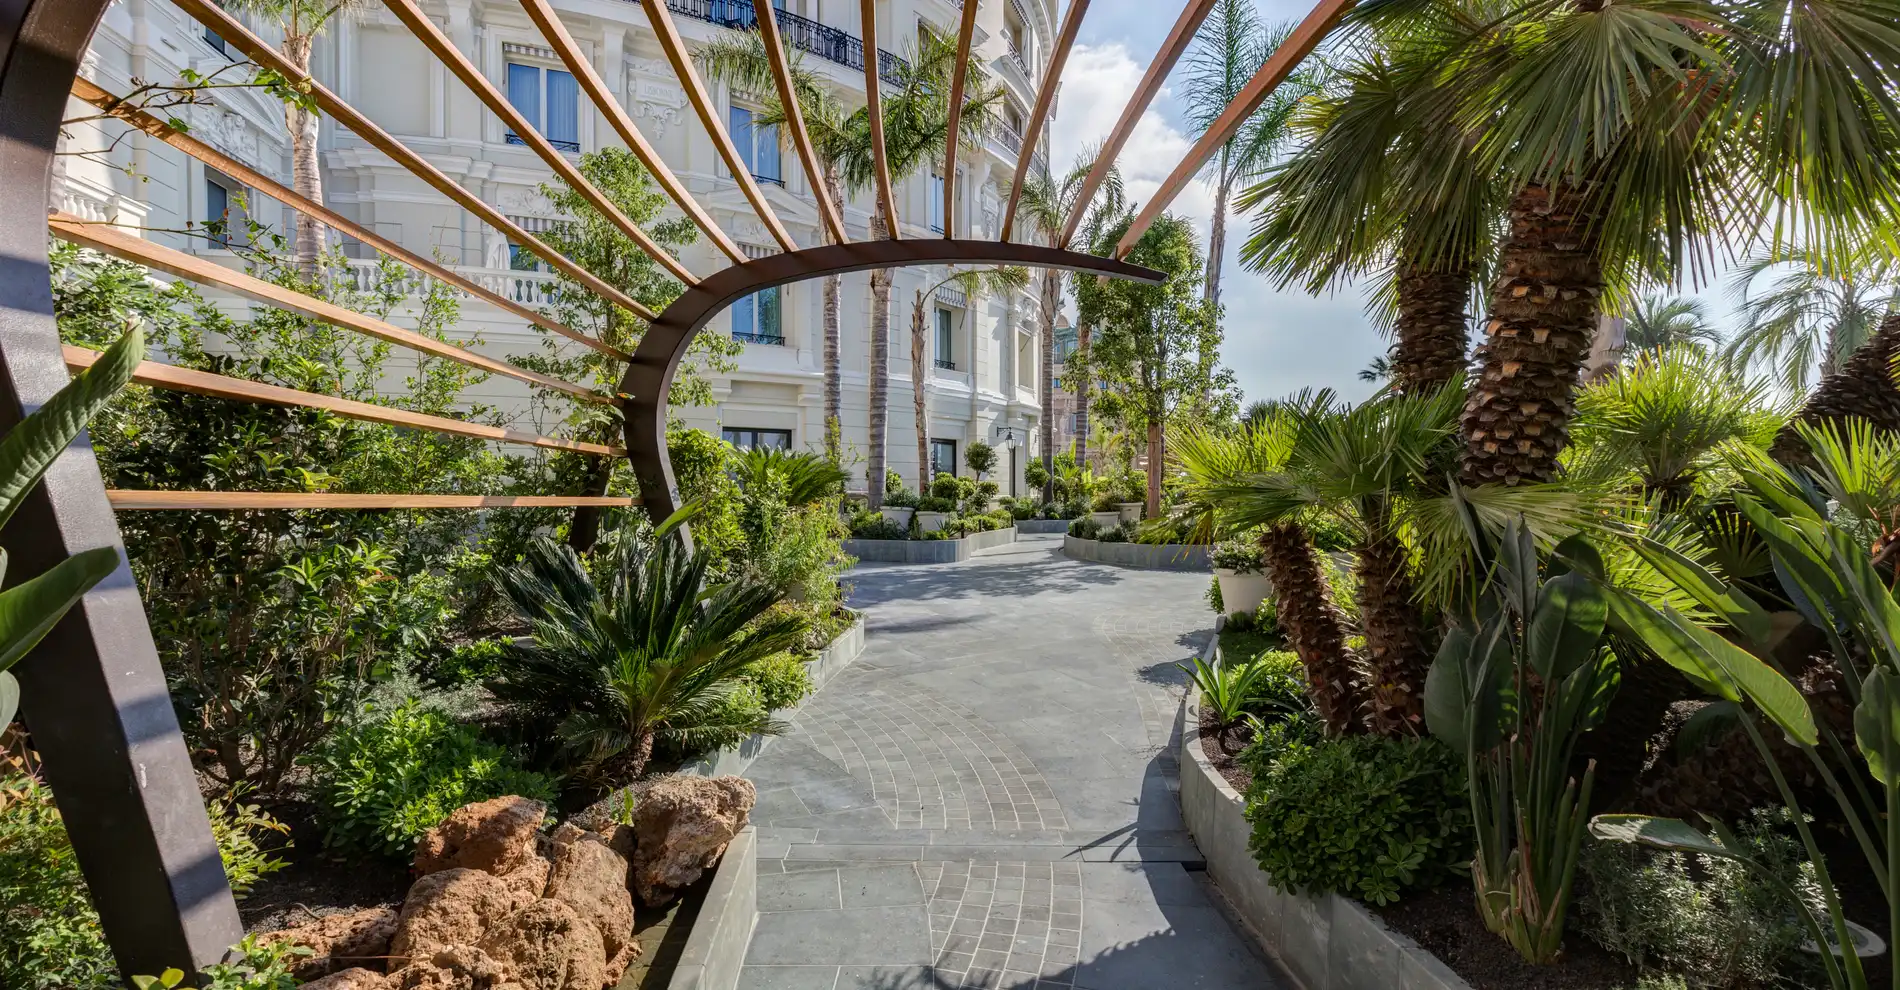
[682, 61]
[795, 121]
[874, 110]
[125, 498]
[238, 36]
[1319, 22]
[1045, 98]
[1177, 42]
[89, 92]
[119, 244]
[543, 15]
[966, 35]
[439, 45]
[178, 379]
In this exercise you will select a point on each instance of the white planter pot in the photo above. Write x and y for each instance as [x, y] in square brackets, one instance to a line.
[1106, 520]
[1242, 592]
[930, 522]
[1131, 511]
[897, 514]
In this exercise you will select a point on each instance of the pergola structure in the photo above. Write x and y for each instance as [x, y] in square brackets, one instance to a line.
[102, 718]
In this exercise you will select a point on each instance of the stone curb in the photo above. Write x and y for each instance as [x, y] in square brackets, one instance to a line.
[1326, 943]
[1148, 556]
[927, 551]
[715, 948]
[734, 759]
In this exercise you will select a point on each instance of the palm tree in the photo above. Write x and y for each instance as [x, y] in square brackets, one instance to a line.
[1047, 205]
[974, 284]
[1229, 48]
[300, 21]
[1813, 313]
[652, 655]
[1660, 323]
[1379, 369]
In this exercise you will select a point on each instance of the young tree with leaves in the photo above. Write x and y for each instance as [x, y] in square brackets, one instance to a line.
[974, 284]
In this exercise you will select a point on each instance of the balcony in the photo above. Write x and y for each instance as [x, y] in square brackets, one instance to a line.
[801, 33]
[772, 339]
[946, 365]
[529, 288]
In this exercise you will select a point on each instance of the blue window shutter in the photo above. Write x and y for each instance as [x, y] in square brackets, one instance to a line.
[524, 92]
[739, 126]
[564, 122]
[745, 317]
[767, 142]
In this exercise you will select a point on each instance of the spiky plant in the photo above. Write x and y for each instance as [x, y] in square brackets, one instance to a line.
[1660, 323]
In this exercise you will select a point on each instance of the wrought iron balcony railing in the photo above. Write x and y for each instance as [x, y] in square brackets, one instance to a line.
[946, 364]
[775, 340]
[802, 33]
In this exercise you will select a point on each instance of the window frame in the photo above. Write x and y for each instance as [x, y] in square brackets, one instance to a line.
[235, 196]
[754, 140]
[938, 444]
[732, 435]
[538, 115]
[748, 320]
[944, 342]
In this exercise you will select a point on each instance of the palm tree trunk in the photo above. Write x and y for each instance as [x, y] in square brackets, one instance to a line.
[917, 392]
[1398, 648]
[1543, 316]
[831, 291]
[880, 368]
[1314, 627]
[306, 176]
[1051, 298]
[1080, 387]
[1431, 328]
[1216, 243]
[1862, 389]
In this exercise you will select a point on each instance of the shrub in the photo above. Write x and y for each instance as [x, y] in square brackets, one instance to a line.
[467, 663]
[1021, 508]
[902, 498]
[385, 780]
[1366, 816]
[782, 679]
[1035, 475]
[257, 966]
[735, 712]
[1242, 556]
[1715, 921]
[979, 457]
[1114, 534]
[869, 525]
[893, 483]
[934, 503]
[1084, 528]
[1213, 596]
[946, 486]
[1281, 689]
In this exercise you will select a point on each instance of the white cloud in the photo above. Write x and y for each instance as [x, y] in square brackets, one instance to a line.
[1096, 85]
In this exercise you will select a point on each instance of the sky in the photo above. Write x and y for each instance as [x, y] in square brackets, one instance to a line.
[1277, 342]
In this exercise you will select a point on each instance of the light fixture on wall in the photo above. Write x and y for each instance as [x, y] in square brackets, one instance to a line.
[1009, 436]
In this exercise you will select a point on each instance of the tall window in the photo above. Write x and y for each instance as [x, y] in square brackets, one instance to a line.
[747, 439]
[943, 457]
[946, 339]
[757, 144]
[755, 318]
[224, 209]
[934, 209]
[551, 102]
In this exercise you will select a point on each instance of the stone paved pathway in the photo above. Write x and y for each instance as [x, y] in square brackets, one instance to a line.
[987, 798]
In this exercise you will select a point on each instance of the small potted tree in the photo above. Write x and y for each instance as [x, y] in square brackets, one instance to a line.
[1240, 567]
[934, 508]
[980, 458]
[1131, 495]
[899, 502]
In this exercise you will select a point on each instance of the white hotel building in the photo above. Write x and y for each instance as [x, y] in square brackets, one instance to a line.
[982, 380]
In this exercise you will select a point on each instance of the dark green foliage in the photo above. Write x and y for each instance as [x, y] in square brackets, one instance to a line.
[979, 457]
[1034, 474]
[1084, 528]
[783, 679]
[1367, 816]
[466, 663]
[388, 778]
[808, 478]
[870, 525]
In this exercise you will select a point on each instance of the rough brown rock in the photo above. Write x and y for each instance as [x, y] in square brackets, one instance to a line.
[549, 946]
[591, 877]
[453, 907]
[612, 811]
[527, 882]
[682, 826]
[340, 941]
[453, 967]
[354, 978]
[492, 836]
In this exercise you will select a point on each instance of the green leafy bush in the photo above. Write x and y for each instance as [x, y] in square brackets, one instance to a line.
[869, 525]
[1084, 528]
[386, 779]
[258, 966]
[947, 486]
[1035, 475]
[782, 679]
[979, 457]
[1242, 556]
[902, 498]
[1716, 922]
[1281, 688]
[467, 663]
[1366, 816]
[936, 503]
[1213, 597]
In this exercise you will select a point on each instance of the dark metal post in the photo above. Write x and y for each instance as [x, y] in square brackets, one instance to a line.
[95, 696]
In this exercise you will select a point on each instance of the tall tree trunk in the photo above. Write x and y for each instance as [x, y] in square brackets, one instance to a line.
[1314, 627]
[1431, 328]
[1398, 646]
[584, 530]
[306, 177]
[880, 367]
[831, 291]
[1154, 467]
[1543, 315]
[1081, 388]
[1051, 298]
[1216, 244]
[1862, 389]
[917, 379]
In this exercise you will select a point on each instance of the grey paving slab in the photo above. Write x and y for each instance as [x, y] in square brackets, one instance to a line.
[988, 797]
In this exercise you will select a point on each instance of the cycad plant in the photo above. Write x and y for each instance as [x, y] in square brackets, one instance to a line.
[653, 654]
[1659, 323]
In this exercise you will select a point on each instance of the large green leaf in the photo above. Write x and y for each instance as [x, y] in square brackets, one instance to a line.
[31, 447]
[9, 698]
[1730, 671]
[1566, 625]
[1735, 608]
[1641, 622]
[1877, 724]
[1463, 702]
[1671, 834]
[28, 610]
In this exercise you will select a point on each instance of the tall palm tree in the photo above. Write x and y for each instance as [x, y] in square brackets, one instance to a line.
[1814, 312]
[300, 21]
[974, 284]
[1229, 48]
[1046, 204]
[1660, 323]
[1636, 136]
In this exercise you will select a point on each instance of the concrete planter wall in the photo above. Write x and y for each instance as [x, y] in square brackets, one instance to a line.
[930, 522]
[1157, 557]
[1328, 942]
[715, 948]
[1043, 526]
[927, 551]
[833, 658]
[897, 514]
[1242, 592]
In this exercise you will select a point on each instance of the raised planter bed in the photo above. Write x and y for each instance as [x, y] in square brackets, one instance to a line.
[715, 949]
[1043, 526]
[735, 759]
[1327, 943]
[1151, 556]
[928, 551]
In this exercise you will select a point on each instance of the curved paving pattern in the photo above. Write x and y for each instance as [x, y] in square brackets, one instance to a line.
[987, 798]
